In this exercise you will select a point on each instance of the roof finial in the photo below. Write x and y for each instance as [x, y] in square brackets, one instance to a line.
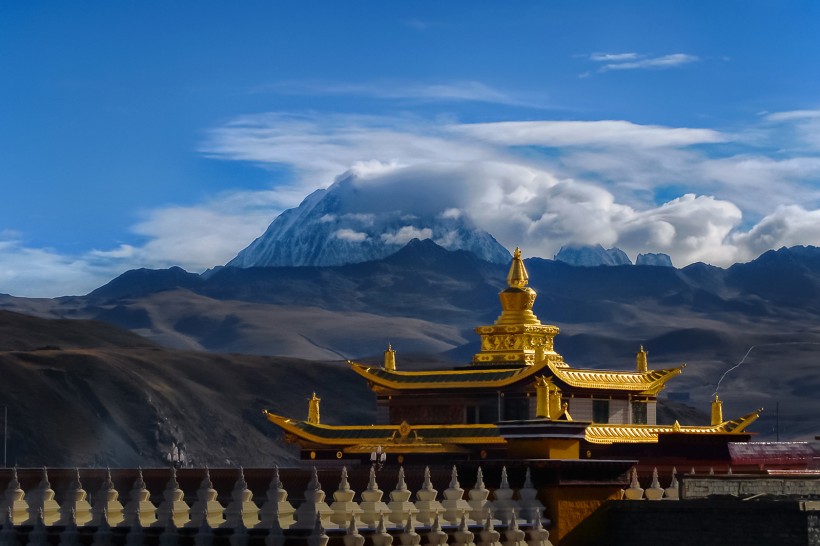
[390, 358]
[517, 277]
[313, 409]
[717, 411]
[642, 362]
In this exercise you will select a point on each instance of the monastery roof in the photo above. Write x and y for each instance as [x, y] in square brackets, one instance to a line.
[649, 382]
[386, 435]
[637, 434]
[404, 435]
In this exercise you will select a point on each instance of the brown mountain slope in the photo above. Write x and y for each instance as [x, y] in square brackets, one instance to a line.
[27, 333]
[122, 406]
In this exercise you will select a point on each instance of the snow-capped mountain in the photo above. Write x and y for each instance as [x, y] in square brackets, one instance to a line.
[350, 223]
[657, 259]
[590, 256]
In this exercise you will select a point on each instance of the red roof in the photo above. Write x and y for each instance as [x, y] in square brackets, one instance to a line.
[774, 453]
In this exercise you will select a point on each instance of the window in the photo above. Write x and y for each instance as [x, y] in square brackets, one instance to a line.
[516, 408]
[639, 413]
[600, 411]
[488, 414]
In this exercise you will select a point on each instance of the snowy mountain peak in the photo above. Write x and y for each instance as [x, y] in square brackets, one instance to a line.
[657, 259]
[591, 256]
[351, 222]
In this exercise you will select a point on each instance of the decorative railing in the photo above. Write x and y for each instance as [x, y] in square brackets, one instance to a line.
[484, 517]
[654, 492]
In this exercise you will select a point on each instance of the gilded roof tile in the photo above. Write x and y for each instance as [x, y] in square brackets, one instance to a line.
[649, 382]
[634, 434]
[387, 434]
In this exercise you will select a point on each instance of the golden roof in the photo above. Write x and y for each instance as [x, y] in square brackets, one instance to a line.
[447, 438]
[637, 434]
[649, 382]
[387, 435]
[446, 379]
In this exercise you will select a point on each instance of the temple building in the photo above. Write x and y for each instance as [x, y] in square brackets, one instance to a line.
[518, 398]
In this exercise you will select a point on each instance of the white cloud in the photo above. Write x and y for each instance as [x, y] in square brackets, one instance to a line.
[613, 57]
[788, 225]
[320, 148]
[798, 129]
[365, 219]
[635, 61]
[451, 213]
[122, 251]
[197, 237]
[605, 133]
[691, 228]
[640, 61]
[666, 61]
[350, 235]
[458, 91]
[39, 272]
[793, 115]
[405, 234]
[448, 240]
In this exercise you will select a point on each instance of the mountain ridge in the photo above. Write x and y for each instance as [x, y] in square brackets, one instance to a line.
[427, 300]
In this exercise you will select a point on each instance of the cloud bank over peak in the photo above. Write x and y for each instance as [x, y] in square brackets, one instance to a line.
[696, 194]
[544, 184]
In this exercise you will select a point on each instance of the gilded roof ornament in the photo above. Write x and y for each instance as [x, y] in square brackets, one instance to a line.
[517, 277]
[313, 409]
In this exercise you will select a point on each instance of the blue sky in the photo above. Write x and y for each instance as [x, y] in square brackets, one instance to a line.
[148, 134]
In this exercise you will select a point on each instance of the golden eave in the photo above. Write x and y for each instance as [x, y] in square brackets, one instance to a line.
[636, 434]
[446, 379]
[649, 382]
[447, 438]
[415, 436]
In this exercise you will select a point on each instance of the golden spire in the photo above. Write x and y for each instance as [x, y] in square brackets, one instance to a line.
[717, 411]
[517, 300]
[390, 359]
[313, 409]
[642, 361]
[517, 277]
[517, 336]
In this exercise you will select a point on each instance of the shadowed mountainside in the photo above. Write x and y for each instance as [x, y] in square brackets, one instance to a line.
[110, 398]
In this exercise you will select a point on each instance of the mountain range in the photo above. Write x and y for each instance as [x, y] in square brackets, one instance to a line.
[425, 300]
[595, 255]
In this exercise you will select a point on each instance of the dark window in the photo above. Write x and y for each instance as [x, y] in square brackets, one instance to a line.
[600, 411]
[488, 414]
[516, 408]
[639, 413]
[472, 415]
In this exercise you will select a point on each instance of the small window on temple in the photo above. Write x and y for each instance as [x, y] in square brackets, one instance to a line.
[488, 414]
[639, 413]
[516, 408]
[600, 411]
